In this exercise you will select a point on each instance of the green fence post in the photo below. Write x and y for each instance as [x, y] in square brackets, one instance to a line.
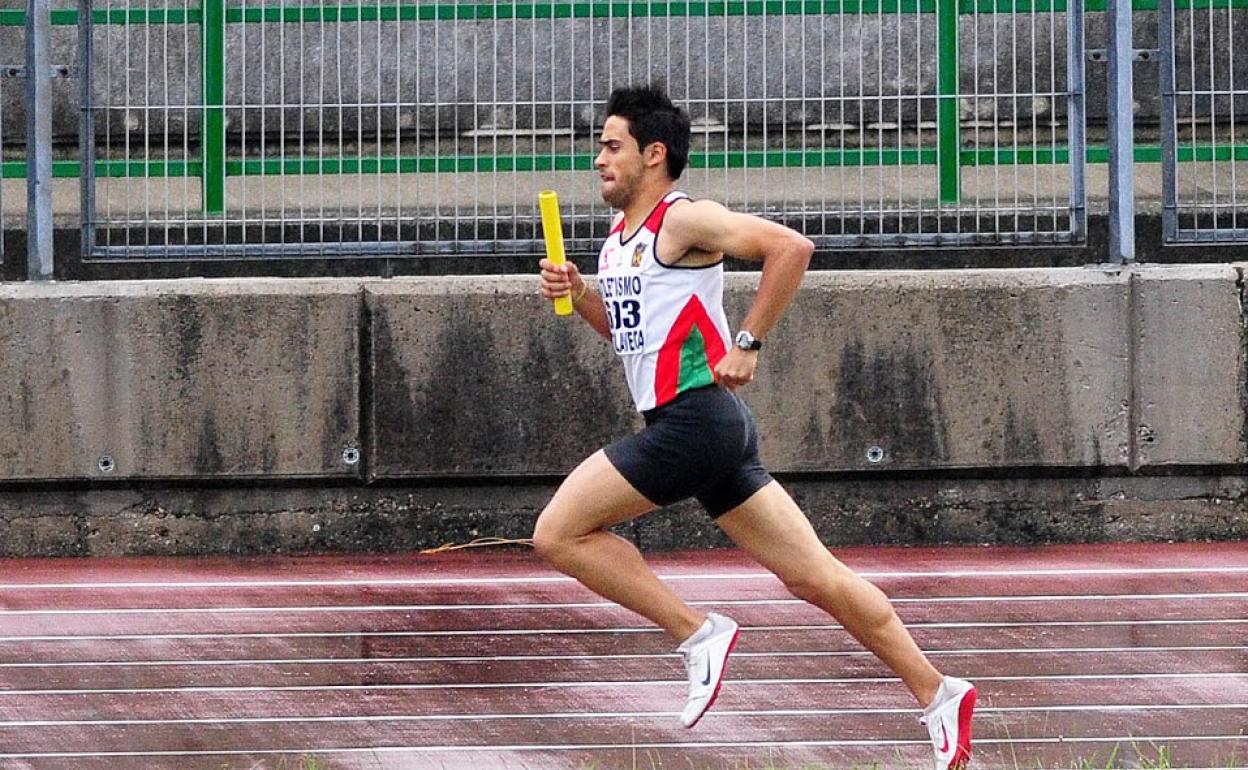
[212, 140]
[947, 132]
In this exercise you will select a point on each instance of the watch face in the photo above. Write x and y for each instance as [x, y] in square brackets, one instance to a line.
[746, 341]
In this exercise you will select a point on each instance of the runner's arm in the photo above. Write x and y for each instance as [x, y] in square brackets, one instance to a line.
[709, 227]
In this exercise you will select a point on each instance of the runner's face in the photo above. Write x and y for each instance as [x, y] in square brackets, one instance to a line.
[619, 163]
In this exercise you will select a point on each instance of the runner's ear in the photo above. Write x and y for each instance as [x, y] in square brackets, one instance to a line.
[654, 154]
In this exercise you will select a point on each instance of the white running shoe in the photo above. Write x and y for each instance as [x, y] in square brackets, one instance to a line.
[706, 659]
[948, 721]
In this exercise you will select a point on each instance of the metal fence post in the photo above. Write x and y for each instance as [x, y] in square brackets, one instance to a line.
[1077, 118]
[38, 141]
[212, 128]
[1121, 134]
[86, 127]
[947, 128]
[1169, 125]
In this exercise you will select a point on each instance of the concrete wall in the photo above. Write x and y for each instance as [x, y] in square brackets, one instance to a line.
[1069, 373]
[458, 376]
[467, 75]
[191, 379]
[1009, 369]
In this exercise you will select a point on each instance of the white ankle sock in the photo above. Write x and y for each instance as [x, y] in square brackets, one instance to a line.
[942, 694]
[703, 631]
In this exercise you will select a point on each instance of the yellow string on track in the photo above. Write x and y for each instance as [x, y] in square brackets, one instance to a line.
[480, 542]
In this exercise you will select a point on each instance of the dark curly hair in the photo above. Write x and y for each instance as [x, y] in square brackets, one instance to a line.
[653, 118]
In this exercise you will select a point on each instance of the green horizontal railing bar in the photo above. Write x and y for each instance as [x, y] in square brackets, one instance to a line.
[114, 169]
[1144, 153]
[1208, 153]
[813, 158]
[1003, 156]
[1042, 156]
[68, 17]
[449, 11]
[1011, 156]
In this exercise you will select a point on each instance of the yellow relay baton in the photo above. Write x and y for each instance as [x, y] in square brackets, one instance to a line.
[552, 229]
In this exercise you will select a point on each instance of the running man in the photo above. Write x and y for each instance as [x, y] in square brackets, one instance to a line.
[659, 300]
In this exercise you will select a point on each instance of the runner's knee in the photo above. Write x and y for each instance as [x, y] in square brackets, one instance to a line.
[815, 577]
[551, 539]
[840, 591]
[546, 538]
[811, 587]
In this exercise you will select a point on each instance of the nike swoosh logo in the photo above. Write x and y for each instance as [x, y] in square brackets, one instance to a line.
[944, 734]
[707, 680]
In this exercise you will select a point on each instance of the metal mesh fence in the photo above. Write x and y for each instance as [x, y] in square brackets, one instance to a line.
[142, 127]
[907, 128]
[256, 129]
[1023, 120]
[1205, 101]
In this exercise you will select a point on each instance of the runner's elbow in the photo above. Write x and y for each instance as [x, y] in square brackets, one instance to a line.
[795, 249]
[803, 249]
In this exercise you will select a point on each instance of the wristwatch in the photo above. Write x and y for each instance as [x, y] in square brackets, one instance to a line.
[746, 341]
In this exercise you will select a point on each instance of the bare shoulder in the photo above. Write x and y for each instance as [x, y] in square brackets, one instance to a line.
[695, 214]
[711, 227]
[692, 223]
[685, 228]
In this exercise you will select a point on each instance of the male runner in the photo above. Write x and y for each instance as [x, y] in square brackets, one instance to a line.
[659, 301]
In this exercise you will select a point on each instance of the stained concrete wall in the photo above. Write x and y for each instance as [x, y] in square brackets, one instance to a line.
[1045, 368]
[1190, 393]
[1125, 387]
[474, 376]
[939, 369]
[948, 369]
[187, 379]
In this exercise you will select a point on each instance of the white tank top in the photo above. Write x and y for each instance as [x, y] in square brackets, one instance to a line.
[667, 323]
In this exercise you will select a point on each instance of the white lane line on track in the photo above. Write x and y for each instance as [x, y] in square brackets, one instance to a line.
[737, 683]
[443, 659]
[530, 606]
[603, 630]
[582, 715]
[541, 579]
[525, 747]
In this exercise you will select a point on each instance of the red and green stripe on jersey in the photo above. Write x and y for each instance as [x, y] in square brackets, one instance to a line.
[689, 354]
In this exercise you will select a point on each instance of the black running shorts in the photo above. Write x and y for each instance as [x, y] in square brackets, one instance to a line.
[702, 444]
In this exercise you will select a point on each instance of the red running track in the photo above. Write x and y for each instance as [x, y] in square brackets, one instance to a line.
[1085, 656]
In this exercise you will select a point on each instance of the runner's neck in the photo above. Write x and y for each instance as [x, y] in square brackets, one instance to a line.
[639, 208]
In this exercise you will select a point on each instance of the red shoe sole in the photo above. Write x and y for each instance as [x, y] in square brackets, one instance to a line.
[723, 673]
[962, 755]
